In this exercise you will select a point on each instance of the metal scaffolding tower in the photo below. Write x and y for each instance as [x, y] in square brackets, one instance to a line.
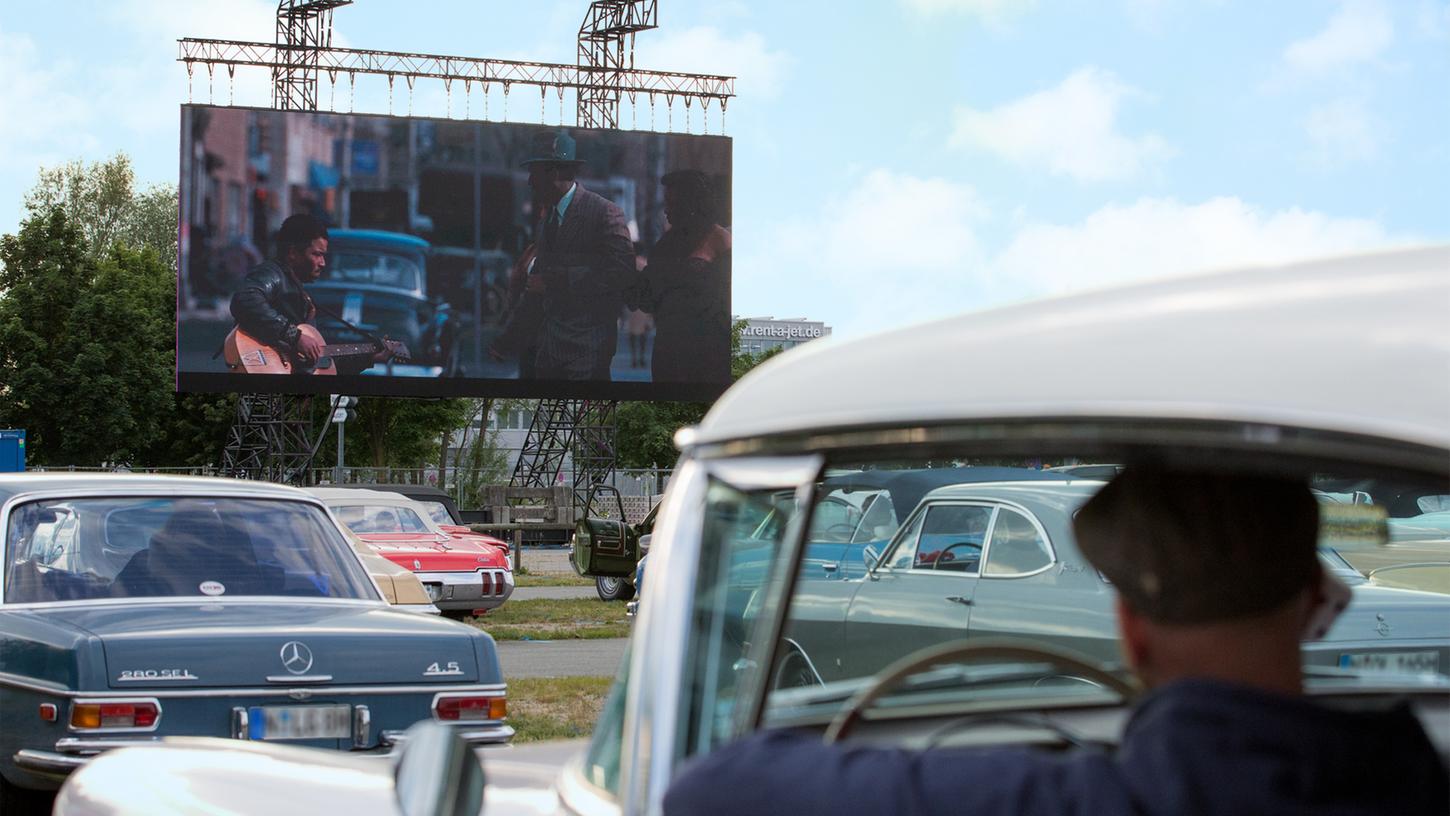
[604, 57]
[578, 434]
[304, 28]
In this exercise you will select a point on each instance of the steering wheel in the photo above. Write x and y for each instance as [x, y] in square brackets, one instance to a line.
[945, 555]
[887, 678]
[840, 530]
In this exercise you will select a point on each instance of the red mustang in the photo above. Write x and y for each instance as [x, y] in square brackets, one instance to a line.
[463, 571]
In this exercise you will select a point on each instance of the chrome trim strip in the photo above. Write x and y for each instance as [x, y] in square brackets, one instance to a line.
[362, 723]
[299, 678]
[269, 600]
[47, 762]
[498, 733]
[277, 691]
[241, 723]
[103, 700]
[72, 745]
[42, 686]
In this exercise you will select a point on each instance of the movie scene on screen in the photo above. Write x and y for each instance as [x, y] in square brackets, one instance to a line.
[387, 255]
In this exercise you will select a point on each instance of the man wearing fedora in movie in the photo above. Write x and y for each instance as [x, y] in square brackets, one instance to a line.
[564, 326]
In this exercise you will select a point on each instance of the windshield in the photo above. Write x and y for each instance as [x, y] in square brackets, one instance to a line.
[379, 269]
[987, 553]
[380, 518]
[437, 512]
[89, 549]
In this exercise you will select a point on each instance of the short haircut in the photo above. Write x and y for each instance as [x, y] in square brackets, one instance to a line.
[299, 231]
[694, 190]
[1192, 547]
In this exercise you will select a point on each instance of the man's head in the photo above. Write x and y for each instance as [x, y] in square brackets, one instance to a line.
[1216, 574]
[302, 246]
[689, 198]
[552, 166]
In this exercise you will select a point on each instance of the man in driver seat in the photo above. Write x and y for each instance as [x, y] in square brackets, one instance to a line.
[1218, 581]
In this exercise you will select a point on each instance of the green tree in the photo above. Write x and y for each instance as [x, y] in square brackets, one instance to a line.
[86, 343]
[646, 430]
[103, 202]
[402, 433]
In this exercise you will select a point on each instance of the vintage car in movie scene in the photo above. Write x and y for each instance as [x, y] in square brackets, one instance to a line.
[462, 573]
[137, 608]
[375, 285]
[972, 619]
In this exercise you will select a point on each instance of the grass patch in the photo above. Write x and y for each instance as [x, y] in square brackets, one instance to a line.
[549, 708]
[551, 579]
[555, 619]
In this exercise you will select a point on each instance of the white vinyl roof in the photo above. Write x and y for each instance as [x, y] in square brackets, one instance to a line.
[1358, 344]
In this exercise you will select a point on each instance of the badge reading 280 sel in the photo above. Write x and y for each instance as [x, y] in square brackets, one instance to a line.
[442, 670]
[141, 675]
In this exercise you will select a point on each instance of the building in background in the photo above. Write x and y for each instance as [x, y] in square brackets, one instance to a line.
[767, 333]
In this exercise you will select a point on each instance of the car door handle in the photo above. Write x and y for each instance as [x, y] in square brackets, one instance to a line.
[959, 599]
[830, 566]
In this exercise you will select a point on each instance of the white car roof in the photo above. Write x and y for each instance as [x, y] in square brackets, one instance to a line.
[1357, 344]
[334, 496]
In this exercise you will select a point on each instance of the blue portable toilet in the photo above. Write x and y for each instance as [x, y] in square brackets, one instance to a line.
[12, 451]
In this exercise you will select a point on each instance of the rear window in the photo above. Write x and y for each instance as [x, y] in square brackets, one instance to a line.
[101, 548]
[380, 518]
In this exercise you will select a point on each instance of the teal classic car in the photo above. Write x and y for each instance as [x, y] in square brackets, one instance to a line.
[142, 607]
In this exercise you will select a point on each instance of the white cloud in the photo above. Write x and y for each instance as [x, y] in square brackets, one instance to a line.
[1341, 130]
[42, 117]
[1070, 129]
[1358, 32]
[892, 249]
[993, 10]
[898, 248]
[707, 50]
[1432, 19]
[250, 20]
[1156, 237]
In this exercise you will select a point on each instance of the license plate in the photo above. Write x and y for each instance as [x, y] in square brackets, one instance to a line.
[299, 722]
[1396, 662]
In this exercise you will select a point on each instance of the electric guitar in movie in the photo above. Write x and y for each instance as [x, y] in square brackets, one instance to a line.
[245, 354]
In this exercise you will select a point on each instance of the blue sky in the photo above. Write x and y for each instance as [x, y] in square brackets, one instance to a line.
[894, 160]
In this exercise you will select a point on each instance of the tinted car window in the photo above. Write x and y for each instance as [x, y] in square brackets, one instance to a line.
[380, 269]
[1016, 546]
[365, 519]
[951, 538]
[88, 549]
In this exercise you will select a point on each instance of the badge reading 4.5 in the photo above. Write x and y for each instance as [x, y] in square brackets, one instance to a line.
[442, 669]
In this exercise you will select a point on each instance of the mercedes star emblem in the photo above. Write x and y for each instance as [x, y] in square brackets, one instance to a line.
[296, 657]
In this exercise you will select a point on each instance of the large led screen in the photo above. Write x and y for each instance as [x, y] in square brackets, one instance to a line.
[383, 255]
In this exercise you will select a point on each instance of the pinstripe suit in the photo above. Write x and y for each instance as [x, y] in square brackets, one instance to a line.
[585, 269]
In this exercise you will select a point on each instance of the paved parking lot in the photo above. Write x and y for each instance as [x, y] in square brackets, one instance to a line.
[560, 658]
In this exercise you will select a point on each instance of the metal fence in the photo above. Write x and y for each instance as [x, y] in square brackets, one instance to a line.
[640, 488]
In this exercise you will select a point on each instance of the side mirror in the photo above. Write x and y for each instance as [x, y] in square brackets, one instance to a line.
[438, 774]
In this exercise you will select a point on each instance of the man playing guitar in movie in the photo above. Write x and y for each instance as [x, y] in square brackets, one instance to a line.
[274, 312]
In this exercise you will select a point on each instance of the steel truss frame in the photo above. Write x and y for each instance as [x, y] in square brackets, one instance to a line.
[581, 431]
[271, 439]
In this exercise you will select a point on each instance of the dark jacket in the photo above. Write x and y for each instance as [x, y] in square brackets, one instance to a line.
[572, 327]
[1194, 747]
[270, 303]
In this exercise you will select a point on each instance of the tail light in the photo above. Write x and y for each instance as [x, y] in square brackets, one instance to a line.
[464, 708]
[104, 715]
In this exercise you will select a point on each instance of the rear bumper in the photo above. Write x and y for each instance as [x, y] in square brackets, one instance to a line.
[479, 589]
[71, 754]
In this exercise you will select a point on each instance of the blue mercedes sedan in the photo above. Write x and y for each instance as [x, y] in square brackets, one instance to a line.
[141, 607]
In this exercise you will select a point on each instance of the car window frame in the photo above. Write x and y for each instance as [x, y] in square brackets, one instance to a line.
[1041, 532]
[910, 531]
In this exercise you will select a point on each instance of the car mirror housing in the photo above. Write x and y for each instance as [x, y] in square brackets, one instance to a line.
[438, 774]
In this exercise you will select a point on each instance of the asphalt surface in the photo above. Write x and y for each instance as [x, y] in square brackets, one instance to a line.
[552, 593]
[561, 658]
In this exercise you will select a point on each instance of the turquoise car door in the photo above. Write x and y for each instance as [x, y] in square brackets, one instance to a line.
[921, 593]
